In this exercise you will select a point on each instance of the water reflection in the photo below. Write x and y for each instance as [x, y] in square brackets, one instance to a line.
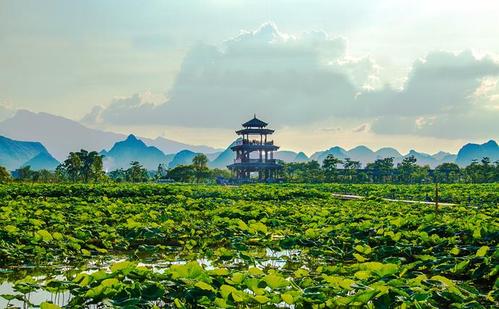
[41, 275]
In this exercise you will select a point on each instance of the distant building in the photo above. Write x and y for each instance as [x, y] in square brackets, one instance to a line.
[255, 152]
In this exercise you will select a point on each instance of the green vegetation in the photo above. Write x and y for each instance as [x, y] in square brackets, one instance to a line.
[148, 245]
[385, 171]
[4, 175]
[87, 167]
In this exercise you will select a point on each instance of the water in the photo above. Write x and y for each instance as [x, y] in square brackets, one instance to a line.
[35, 298]
[273, 259]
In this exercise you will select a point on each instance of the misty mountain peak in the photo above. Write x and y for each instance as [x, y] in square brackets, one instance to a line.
[361, 149]
[491, 143]
[131, 138]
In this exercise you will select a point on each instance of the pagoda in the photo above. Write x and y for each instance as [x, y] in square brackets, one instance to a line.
[254, 152]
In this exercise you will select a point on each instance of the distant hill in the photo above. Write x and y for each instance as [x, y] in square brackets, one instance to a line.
[301, 157]
[61, 135]
[14, 154]
[183, 157]
[470, 152]
[225, 158]
[366, 155]
[133, 149]
[170, 146]
[445, 157]
[285, 155]
[387, 152]
[213, 155]
[362, 154]
[336, 151]
[290, 156]
[42, 161]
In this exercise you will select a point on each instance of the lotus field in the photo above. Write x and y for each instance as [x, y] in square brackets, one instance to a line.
[263, 246]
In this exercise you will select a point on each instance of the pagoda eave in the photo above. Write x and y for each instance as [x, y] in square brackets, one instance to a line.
[255, 131]
[262, 147]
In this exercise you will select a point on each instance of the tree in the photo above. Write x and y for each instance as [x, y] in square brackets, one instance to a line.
[61, 173]
[182, 173]
[200, 165]
[72, 166]
[118, 175]
[24, 173]
[313, 172]
[291, 171]
[351, 169]
[217, 172]
[406, 169]
[161, 172]
[4, 175]
[329, 165]
[83, 166]
[44, 175]
[483, 171]
[93, 167]
[381, 170]
[200, 161]
[136, 173]
[421, 174]
[447, 173]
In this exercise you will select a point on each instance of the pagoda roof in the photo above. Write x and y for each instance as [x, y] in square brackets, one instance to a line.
[255, 123]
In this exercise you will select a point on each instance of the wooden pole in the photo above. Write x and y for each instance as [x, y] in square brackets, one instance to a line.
[436, 197]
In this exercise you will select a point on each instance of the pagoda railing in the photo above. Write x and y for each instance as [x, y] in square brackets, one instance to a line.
[255, 161]
[254, 142]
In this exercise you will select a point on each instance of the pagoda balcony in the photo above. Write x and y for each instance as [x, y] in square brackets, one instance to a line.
[255, 146]
[253, 142]
[255, 161]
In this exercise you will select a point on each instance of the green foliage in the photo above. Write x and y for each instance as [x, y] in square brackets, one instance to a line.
[182, 173]
[384, 171]
[4, 175]
[330, 168]
[82, 166]
[136, 173]
[190, 246]
[197, 172]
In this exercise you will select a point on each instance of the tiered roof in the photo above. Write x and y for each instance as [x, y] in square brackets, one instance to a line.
[255, 123]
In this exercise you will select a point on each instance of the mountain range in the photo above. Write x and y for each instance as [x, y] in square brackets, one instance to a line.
[470, 152]
[132, 149]
[61, 135]
[360, 153]
[15, 154]
[58, 136]
[366, 155]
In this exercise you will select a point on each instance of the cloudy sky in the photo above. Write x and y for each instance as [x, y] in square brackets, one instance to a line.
[408, 74]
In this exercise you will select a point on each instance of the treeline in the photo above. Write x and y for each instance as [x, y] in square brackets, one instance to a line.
[385, 171]
[87, 167]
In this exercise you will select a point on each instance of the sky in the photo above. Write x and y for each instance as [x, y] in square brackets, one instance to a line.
[408, 74]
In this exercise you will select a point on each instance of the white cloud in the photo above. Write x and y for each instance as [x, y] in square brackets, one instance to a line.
[309, 78]
[290, 79]
[446, 95]
[6, 111]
